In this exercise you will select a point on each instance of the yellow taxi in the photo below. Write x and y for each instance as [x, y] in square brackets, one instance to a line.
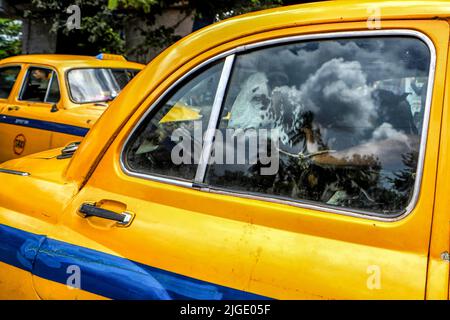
[49, 100]
[295, 153]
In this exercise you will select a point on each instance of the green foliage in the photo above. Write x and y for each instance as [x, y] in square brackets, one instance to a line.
[103, 21]
[112, 4]
[156, 38]
[141, 5]
[100, 26]
[163, 36]
[222, 9]
[10, 43]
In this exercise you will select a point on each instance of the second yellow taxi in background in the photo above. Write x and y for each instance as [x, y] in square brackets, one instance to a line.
[47, 101]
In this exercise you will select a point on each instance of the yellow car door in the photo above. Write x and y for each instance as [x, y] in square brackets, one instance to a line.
[27, 121]
[89, 263]
[343, 211]
[18, 284]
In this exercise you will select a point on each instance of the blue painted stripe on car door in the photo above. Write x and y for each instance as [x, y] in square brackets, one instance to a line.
[19, 248]
[105, 274]
[44, 125]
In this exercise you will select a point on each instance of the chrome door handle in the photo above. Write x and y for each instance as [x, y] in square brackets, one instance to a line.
[90, 210]
[13, 108]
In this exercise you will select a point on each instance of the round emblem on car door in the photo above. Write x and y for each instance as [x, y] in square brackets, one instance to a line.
[19, 144]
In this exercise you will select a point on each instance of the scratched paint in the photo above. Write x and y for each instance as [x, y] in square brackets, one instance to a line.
[19, 248]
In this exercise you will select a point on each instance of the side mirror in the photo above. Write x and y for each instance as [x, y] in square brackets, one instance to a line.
[54, 108]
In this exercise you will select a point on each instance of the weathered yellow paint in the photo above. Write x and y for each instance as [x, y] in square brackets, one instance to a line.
[57, 291]
[16, 284]
[269, 249]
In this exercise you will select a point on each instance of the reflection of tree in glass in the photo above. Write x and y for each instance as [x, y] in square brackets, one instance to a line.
[350, 180]
[404, 179]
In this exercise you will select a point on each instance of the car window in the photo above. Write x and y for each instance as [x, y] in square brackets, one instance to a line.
[184, 114]
[8, 77]
[330, 122]
[40, 85]
[97, 84]
[53, 94]
[123, 76]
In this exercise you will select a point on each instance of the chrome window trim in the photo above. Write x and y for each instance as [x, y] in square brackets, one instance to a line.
[157, 178]
[214, 119]
[15, 172]
[49, 86]
[296, 203]
[304, 204]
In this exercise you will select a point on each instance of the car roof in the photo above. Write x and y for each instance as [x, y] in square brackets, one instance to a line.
[70, 61]
[291, 16]
[351, 10]
[218, 34]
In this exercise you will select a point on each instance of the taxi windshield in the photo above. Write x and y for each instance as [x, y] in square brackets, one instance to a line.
[97, 84]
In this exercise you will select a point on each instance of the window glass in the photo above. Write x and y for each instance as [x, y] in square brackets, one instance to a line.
[97, 84]
[333, 122]
[53, 92]
[8, 76]
[36, 84]
[180, 119]
[123, 76]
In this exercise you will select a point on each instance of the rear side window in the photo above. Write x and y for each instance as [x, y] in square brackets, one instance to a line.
[8, 77]
[183, 115]
[340, 121]
[40, 85]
